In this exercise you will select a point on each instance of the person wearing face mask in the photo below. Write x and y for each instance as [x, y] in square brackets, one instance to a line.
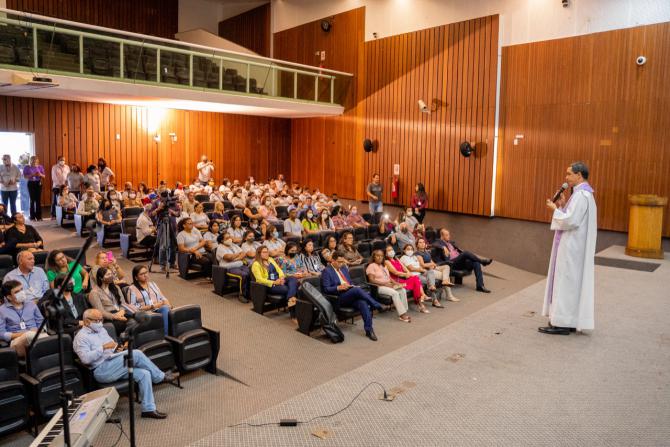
[9, 183]
[427, 276]
[88, 205]
[106, 174]
[75, 180]
[96, 349]
[268, 211]
[145, 230]
[335, 280]
[410, 219]
[273, 243]
[34, 173]
[310, 225]
[258, 230]
[233, 258]
[108, 299]
[378, 274]
[59, 173]
[238, 200]
[115, 197]
[251, 210]
[404, 236]
[131, 199]
[92, 177]
[325, 222]
[19, 317]
[249, 246]
[355, 220]
[419, 202]
[339, 221]
[399, 273]
[291, 263]
[109, 217]
[75, 305]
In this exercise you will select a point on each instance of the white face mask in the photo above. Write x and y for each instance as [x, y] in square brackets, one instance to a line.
[409, 253]
[21, 296]
[97, 326]
[390, 254]
[408, 214]
[310, 215]
[61, 162]
[132, 195]
[228, 242]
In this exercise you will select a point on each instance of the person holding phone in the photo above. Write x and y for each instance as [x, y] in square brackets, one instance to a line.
[106, 259]
[335, 280]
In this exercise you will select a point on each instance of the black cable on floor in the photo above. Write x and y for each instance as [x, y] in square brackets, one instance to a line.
[263, 424]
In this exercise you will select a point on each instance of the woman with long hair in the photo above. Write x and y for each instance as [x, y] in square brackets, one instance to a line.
[399, 273]
[34, 173]
[268, 273]
[145, 295]
[419, 202]
[59, 264]
[108, 299]
[378, 274]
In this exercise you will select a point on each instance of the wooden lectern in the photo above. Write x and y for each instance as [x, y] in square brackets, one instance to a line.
[645, 225]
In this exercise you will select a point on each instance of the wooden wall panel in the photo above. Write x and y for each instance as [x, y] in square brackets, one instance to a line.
[251, 29]
[152, 17]
[326, 153]
[239, 145]
[452, 69]
[584, 98]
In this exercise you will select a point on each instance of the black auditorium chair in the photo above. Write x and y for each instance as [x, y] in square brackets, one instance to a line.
[6, 265]
[188, 269]
[261, 298]
[40, 257]
[131, 211]
[64, 218]
[42, 374]
[150, 339]
[128, 239]
[343, 313]
[373, 232]
[202, 198]
[364, 248]
[225, 282]
[14, 399]
[208, 207]
[195, 346]
[312, 309]
[378, 244]
[90, 383]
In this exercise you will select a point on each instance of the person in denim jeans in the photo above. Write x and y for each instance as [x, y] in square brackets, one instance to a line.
[99, 352]
[9, 183]
[374, 192]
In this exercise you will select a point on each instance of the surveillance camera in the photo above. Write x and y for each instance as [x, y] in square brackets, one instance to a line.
[374, 35]
[423, 107]
[565, 3]
[641, 60]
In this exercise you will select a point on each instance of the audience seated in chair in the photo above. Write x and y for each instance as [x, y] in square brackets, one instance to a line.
[268, 273]
[219, 215]
[335, 280]
[109, 217]
[325, 222]
[329, 248]
[19, 317]
[310, 225]
[191, 242]
[423, 255]
[27, 274]
[427, 276]
[107, 297]
[233, 258]
[291, 263]
[67, 200]
[236, 230]
[339, 221]
[310, 259]
[145, 230]
[212, 236]
[386, 227]
[188, 205]
[131, 198]
[403, 237]
[399, 273]
[88, 205]
[459, 259]
[273, 243]
[348, 250]
[355, 220]
[75, 305]
[249, 246]
[145, 296]
[22, 236]
[5, 220]
[251, 210]
[199, 218]
[292, 226]
[379, 275]
[95, 348]
[59, 264]
[106, 259]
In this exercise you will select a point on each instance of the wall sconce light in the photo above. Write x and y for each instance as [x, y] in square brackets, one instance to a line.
[173, 137]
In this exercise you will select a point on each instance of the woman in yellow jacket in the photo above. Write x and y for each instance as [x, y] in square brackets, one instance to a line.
[267, 272]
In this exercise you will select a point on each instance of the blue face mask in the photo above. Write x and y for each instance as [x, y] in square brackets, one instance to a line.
[275, 234]
[96, 327]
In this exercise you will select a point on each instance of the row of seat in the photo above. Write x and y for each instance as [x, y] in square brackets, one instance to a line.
[35, 383]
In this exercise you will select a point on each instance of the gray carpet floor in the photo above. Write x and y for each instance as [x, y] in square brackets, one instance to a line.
[264, 359]
[492, 379]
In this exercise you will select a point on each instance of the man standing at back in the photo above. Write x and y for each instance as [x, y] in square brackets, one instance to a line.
[374, 192]
[205, 169]
[568, 299]
[9, 183]
[59, 173]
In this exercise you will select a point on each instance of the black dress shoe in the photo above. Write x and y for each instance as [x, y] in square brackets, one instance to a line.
[371, 335]
[483, 290]
[487, 261]
[242, 299]
[153, 414]
[554, 330]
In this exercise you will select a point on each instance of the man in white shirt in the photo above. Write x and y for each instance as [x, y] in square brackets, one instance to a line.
[59, 173]
[9, 183]
[205, 169]
[145, 231]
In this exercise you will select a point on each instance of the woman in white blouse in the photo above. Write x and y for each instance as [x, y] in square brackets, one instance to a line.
[66, 199]
[199, 218]
[236, 230]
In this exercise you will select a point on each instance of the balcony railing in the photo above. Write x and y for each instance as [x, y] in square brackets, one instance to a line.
[44, 45]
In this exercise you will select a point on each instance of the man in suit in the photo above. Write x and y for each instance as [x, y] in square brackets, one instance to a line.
[446, 251]
[335, 280]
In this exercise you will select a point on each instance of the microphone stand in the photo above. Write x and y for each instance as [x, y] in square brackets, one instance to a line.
[55, 312]
[131, 384]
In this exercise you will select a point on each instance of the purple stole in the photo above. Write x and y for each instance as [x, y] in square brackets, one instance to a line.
[557, 239]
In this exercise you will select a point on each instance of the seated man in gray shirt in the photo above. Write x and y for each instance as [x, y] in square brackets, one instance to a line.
[232, 257]
[403, 237]
[102, 355]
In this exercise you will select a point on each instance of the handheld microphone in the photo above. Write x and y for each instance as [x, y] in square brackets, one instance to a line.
[564, 186]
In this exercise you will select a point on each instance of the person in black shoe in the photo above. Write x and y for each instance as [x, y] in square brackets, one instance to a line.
[335, 280]
[100, 353]
[568, 298]
[448, 252]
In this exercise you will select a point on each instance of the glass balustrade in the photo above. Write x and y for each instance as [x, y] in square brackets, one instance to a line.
[44, 46]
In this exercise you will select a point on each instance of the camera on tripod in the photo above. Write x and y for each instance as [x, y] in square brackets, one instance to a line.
[167, 202]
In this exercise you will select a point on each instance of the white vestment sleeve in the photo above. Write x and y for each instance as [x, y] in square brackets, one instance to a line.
[573, 215]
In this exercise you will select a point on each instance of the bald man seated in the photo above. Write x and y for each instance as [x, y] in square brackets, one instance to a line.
[100, 353]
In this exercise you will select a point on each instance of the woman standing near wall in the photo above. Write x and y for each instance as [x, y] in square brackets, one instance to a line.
[419, 202]
[34, 173]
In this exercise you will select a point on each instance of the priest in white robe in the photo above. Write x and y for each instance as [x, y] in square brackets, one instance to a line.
[568, 299]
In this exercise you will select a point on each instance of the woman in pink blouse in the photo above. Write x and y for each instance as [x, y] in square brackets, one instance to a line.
[400, 274]
[34, 173]
[379, 275]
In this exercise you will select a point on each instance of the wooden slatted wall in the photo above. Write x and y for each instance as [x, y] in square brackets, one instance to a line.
[153, 17]
[239, 145]
[251, 29]
[452, 68]
[584, 98]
